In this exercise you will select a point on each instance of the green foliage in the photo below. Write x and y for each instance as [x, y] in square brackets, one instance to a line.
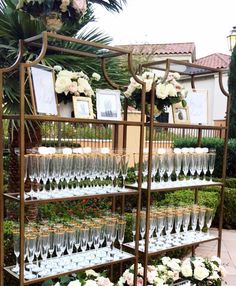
[218, 144]
[232, 92]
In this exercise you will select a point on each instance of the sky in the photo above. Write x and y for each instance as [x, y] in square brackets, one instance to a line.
[205, 22]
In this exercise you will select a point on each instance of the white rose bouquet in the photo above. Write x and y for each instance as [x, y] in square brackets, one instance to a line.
[167, 93]
[70, 83]
[203, 271]
[89, 278]
[66, 10]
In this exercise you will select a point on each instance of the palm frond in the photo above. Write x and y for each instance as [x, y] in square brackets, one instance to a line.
[111, 5]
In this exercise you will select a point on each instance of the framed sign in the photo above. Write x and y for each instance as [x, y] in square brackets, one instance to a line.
[197, 101]
[42, 89]
[180, 114]
[83, 107]
[108, 104]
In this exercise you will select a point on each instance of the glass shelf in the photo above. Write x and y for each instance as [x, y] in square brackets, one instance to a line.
[175, 185]
[28, 201]
[57, 267]
[172, 242]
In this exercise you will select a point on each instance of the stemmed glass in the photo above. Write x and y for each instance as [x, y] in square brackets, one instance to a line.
[77, 238]
[209, 218]
[186, 221]
[155, 165]
[162, 166]
[31, 244]
[205, 157]
[169, 224]
[169, 166]
[57, 170]
[177, 163]
[133, 224]
[44, 171]
[84, 235]
[121, 233]
[199, 162]
[160, 225]
[96, 236]
[192, 165]
[136, 165]
[145, 166]
[51, 242]
[201, 219]
[212, 158]
[178, 222]
[142, 226]
[109, 231]
[194, 218]
[124, 167]
[16, 243]
[185, 161]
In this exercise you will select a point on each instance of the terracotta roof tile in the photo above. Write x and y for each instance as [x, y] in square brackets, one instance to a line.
[217, 60]
[161, 49]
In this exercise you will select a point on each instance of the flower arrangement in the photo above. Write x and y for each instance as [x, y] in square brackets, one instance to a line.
[200, 271]
[54, 12]
[70, 83]
[89, 278]
[167, 92]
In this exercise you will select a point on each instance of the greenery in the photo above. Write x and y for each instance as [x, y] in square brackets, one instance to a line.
[232, 92]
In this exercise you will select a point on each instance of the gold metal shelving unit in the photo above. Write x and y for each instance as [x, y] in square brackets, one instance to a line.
[47, 42]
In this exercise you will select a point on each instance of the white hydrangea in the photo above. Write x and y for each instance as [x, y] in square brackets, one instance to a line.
[186, 269]
[96, 76]
[74, 283]
[90, 283]
[62, 84]
[200, 273]
[161, 91]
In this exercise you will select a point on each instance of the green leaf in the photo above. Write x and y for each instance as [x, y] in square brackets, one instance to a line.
[184, 103]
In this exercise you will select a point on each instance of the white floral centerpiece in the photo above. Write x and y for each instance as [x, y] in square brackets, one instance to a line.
[69, 83]
[54, 12]
[167, 93]
[89, 278]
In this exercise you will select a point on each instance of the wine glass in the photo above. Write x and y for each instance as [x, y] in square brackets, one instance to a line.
[145, 166]
[109, 231]
[124, 167]
[192, 166]
[169, 166]
[155, 165]
[96, 236]
[160, 225]
[84, 235]
[169, 224]
[142, 226]
[212, 158]
[31, 244]
[77, 238]
[178, 222]
[121, 233]
[16, 244]
[209, 217]
[205, 157]
[177, 163]
[134, 224]
[51, 242]
[44, 171]
[194, 218]
[185, 162]
[201, 219]
[136, 165]
[186, 221]
[162, 167]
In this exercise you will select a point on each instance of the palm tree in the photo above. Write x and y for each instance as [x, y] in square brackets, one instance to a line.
[15, 25]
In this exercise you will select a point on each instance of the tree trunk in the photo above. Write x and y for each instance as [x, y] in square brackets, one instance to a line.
[33, 138]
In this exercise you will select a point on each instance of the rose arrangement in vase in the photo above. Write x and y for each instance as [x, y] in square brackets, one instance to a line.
[54, 13]
[69, 83]
[167, 93]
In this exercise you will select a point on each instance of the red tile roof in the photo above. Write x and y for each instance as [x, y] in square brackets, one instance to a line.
[216, 60]
[161, 49]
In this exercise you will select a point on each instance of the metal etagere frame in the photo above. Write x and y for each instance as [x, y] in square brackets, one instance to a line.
[46, 42]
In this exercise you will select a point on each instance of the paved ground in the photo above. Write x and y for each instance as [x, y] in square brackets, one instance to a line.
[228, 254]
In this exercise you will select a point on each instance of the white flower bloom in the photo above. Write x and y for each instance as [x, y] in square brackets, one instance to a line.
[223, 271]
[135, 83]
[83, 75]
[65, 73]
[57, 68]
[91, 272]
[96, 76]
[170, 90]
[129, 91]
[173, 265]
[74, 283]
[90, 283]
[200, 273]
[83, 85]
[57, 284]
[186, 270]
[148, 84]
[216, 259]
[62, 84]
[159, 281]
[198, 263]
[214, 276]
[176, 75]
[148, 75]
[102, 281]
[161, 91]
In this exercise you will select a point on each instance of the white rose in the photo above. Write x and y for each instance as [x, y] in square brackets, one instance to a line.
[200, 273]
[96, 76]
[135, 83]
[161, 268]
[129, 91]
[83, 85]
[159, 281]
[57, 68]
[74, 283]
[151, 276]
[91, 272]
[90, 283]
[148, 75]
[130, 279]
[198, 263]
[186, 270]
[102, 281]
[65, 73]
[57, 284]
[173, 265]
[82, 74]
[73, 87]
[165, 260]
[62, 84]
[161, 91]
[170, 89]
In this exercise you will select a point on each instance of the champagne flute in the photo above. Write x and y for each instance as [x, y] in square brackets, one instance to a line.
[178, 222]
[51, 242]
[212, 158]
[209, 218]
[142, 226]
[121, 233]
[201, 219]
[169, 166]
[96, 236]
[186, 221]
[134, 212]
[177, 163]
[194, 218]
[16, 244]
[136, 165]
[186, 161]
[124, 167]
[31, 244]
